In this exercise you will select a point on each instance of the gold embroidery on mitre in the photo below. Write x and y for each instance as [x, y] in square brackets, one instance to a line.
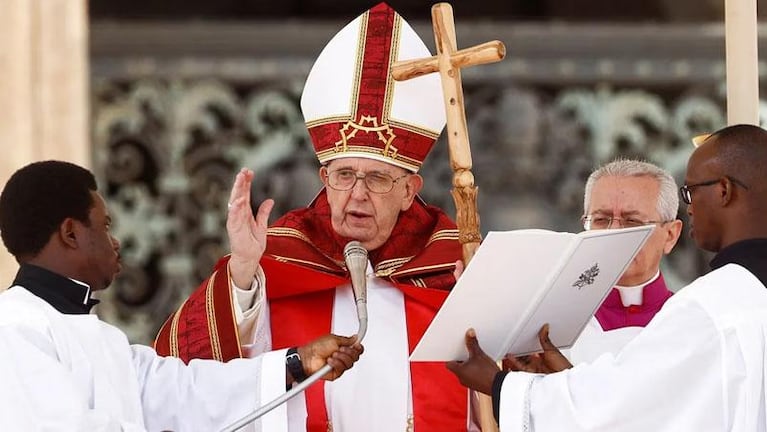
[367, 124]
[393, 55]
[361, 41]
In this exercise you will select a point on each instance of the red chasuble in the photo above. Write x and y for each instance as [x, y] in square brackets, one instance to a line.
[303, 264]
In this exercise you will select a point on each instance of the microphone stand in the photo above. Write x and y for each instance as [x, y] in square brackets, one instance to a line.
[298, 388]
[278, 401]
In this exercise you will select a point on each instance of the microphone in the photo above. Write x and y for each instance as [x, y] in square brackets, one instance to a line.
[356, 258]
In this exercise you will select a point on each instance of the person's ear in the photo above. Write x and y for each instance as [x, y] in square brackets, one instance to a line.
[413, 186]
[323, 173]
[68, 232]
[673, 231]
[727, 191]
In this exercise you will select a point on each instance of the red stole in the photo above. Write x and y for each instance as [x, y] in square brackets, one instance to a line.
[439, 401]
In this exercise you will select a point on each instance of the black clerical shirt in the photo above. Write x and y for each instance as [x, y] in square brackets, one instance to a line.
[64, 294]
[750, 254]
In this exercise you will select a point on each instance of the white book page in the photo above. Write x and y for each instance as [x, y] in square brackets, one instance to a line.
[502, 294]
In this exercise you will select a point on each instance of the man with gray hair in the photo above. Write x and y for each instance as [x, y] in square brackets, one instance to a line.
[629, 193]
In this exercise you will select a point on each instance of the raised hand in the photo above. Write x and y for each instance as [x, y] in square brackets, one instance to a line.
[337, 351]
[247, 235]
[478, 372]
[549, 361]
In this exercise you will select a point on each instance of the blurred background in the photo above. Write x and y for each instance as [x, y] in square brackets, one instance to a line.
[165, 101]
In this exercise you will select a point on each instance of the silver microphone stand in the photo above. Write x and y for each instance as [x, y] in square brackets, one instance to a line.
[298, 388]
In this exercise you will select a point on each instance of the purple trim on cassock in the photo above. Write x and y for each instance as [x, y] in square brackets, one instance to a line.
[613, 315]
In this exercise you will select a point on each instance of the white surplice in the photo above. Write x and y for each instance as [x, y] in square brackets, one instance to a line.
[698, 366]
[594, 342]
[61, 372]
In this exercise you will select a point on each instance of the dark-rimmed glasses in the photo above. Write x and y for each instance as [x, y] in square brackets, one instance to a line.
[601, 222]
[376, 182]
[686, 190]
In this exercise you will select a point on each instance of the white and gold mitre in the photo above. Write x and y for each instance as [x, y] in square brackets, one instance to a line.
[354, 108]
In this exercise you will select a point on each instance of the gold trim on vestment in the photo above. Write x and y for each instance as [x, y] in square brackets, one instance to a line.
[295, 260]
[211, 313]
[174, 331]
[288, 232]
[231, 308]
[422, 268]
[451, 234]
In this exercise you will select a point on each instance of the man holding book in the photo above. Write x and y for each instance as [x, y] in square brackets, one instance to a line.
[700, 363]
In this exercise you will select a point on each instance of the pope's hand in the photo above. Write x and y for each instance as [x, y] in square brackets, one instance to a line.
[247, 235]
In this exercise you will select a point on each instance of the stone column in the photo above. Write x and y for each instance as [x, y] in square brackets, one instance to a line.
[44, 89]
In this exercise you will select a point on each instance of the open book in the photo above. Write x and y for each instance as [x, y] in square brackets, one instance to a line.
[519, 280]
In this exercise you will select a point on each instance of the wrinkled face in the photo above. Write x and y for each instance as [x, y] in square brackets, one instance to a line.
[704, 227]
[365, 216]
[636, 198]
[101, 251]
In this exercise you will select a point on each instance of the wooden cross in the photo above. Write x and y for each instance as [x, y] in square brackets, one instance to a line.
[448, 62]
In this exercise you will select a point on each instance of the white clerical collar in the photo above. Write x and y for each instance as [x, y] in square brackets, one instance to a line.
[633, 295]
[87, 290]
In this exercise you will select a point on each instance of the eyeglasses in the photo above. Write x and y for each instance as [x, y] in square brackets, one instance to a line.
[686, 190]
[600, 222]
[376, 182]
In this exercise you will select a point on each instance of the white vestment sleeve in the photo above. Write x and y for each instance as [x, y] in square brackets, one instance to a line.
[39, 393]
[515, 395]
[208, 395]
[659, 382]
[251, 313]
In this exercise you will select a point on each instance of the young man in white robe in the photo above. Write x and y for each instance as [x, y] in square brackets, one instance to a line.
[62, 369]
[700, 363]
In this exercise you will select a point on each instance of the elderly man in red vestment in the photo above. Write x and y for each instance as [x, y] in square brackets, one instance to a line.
[287, 284]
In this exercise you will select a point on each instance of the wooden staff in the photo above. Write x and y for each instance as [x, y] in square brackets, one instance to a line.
[448, 62]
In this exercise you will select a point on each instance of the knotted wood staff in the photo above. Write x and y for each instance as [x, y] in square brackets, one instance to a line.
[448, 62]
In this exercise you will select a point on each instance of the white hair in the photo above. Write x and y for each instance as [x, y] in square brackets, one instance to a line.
[668, 198]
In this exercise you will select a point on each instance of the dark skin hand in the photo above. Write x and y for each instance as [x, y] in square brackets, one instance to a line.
[549, 361]
[478, 372]
[337, 351]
